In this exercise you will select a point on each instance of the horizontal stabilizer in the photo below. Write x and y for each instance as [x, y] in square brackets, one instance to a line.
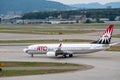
[112, 44]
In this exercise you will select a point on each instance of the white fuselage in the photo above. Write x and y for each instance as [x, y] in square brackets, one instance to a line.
[72, 48]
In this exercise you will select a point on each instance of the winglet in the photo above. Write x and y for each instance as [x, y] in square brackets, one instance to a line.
[60, 46]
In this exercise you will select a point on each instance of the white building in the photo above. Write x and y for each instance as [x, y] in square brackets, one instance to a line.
[117, 18]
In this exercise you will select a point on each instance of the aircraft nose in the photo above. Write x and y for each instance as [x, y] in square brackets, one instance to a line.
[25, 50]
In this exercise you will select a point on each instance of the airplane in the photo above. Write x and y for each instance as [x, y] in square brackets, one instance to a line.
[68, 49]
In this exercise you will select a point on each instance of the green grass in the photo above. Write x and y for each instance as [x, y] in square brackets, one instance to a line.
[15, 72]
[32, 72]
[117, 36]
[114, 48]
[80, 24]
[35, 64]
[44, 31]
[43, 41]
[51, 29]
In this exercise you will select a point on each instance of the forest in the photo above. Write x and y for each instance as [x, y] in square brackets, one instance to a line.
[90, 13]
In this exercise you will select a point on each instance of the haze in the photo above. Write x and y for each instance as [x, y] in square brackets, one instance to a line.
[85, 1]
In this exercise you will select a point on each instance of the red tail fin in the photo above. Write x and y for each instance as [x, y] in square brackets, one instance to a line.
[106, 37]
[109, 30]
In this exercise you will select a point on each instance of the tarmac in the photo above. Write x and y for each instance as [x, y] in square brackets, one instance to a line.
[106, 63]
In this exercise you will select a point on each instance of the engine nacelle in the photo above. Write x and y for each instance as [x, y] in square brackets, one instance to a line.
[51, 54]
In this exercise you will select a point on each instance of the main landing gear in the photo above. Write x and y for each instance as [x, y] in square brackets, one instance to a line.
[70, 55]
[32, 55]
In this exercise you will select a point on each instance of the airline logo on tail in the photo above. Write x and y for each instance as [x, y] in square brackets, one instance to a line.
[106, 37]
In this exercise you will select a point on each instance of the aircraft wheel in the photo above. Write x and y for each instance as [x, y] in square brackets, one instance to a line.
[65, 56]
[0, 69]
[70, 55]
[32, 55]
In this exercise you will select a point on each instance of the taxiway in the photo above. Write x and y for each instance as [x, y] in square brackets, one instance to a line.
[106, 63]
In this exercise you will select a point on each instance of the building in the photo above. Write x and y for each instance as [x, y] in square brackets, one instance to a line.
[117, 18]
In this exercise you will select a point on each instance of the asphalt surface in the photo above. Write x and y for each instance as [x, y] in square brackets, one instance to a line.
[106, 63]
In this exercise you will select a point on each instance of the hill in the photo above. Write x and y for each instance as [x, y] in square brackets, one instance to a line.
[97, 5]
[25, 6]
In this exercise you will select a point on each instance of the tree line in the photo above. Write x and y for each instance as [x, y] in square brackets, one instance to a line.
[90, 13]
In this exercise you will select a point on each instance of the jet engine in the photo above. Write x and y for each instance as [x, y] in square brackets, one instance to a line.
[51, 54]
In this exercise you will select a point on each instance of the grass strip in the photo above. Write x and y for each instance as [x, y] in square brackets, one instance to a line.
[43, 41]
[80, 24]
[114, 48]
[32, 72]
[6, 73]
[117, 36]
[45, 31]
[35, 64]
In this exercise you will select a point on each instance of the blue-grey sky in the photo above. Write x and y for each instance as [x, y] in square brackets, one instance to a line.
[85, 1]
